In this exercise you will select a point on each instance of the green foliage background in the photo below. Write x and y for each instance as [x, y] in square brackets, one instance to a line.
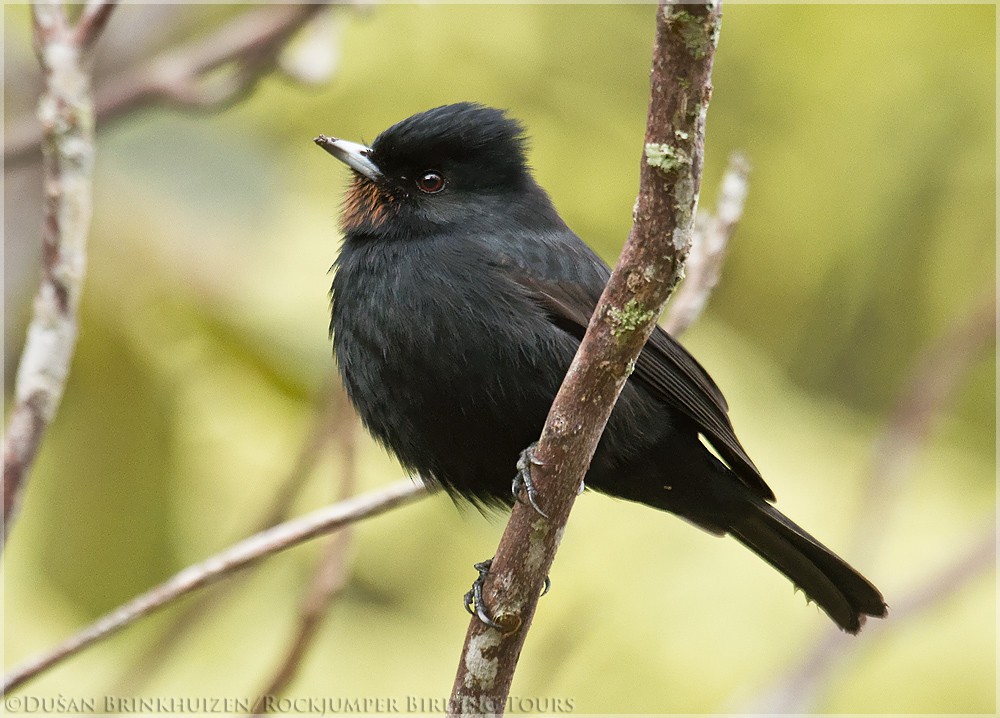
[869, 231]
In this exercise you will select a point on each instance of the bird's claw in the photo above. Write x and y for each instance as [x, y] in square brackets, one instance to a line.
[522, 480]
[473, 598]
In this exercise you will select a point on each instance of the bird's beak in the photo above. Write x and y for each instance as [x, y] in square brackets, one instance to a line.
[351, 154]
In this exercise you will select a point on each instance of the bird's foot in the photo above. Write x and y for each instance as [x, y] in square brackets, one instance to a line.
[522, 480]
[474, 596]
[473, 599]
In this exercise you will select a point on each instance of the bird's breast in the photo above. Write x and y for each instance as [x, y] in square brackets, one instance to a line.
[448, 363]
[426, 318]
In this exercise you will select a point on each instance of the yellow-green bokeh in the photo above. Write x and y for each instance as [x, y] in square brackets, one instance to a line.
[869, 232]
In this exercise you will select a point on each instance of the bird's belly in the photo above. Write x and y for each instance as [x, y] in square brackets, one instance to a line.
[455, 404]
[458, 394]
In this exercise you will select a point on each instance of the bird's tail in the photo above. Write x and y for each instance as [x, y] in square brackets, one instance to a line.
[843, 593]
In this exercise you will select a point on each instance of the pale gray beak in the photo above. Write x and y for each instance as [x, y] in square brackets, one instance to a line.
[351, 154]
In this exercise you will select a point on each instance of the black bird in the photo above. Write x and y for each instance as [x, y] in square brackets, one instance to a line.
[459, 299]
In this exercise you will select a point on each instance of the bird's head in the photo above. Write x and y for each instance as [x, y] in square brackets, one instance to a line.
[436, 169]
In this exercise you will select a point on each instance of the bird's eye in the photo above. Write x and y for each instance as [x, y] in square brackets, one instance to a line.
[430, 182]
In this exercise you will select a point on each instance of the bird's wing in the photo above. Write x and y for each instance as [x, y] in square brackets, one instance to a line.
[663, 366]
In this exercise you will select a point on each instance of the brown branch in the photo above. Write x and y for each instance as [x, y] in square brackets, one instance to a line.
[708, 248]
[89, 27]
[328, 581]
[933, 382]
[331, 414]
[240, 555]
[648, 270]
[181, 77]
[65, 112]
[800, 689]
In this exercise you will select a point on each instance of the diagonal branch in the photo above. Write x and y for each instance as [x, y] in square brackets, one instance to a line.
[252, 42]
[648, 269]
[66, 116]
[328, 580]
[91, 23]
[800, 689]
[933, 382]
[332, 413]
[240, 555]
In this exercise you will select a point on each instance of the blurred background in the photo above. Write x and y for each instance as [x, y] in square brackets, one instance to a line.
[852, 331]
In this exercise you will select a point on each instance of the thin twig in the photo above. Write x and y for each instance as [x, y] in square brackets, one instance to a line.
[65, 111]
[183, 76]
[89, 27]
[932, 385]
[648, 270]
[328, 580]
[799, 690]
[246, 552]
[332, 411]
[708, 247]
[974, 562]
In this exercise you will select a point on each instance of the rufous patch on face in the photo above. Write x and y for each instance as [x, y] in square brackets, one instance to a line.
[366, 206]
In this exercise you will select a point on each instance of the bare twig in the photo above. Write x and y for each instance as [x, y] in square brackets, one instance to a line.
[65, 112]
[181, 77]
[331, 413]
[648, 270]
[333, 418]
[970, 564]
[933, 382]
[932, 385]
[328, 580]
[91, 23]
[799, 690]
[279, 538]
[708, 247]
[314, 57]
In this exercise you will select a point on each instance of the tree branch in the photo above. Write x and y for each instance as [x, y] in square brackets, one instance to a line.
[238, 556]
[648, 269]
[180, 77]
[328, 580]
[799, 690]
[91, 23]
[933, 382]
[708, 247]
[65, 111]
[330, 416]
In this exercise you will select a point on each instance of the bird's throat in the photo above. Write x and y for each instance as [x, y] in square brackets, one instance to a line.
[367, 207]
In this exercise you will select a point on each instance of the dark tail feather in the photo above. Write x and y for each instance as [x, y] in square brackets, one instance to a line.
[846, 596]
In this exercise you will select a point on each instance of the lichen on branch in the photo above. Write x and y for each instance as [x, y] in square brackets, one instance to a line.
[648, 269]
[66, 115]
